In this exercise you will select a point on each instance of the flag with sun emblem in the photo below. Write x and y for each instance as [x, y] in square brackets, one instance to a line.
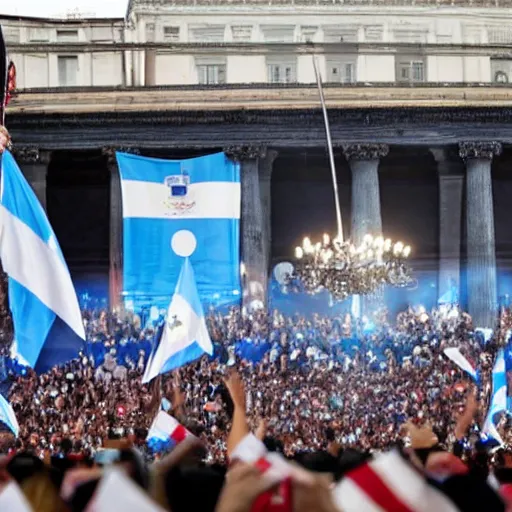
[174, 209]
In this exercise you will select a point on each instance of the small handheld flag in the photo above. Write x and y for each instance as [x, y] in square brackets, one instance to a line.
[164, 431]
[499, 397]
[455, 355]
[185, 336]
[8, 417]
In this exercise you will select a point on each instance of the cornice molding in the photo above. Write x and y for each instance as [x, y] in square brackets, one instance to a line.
[278, 128]
[213, 100]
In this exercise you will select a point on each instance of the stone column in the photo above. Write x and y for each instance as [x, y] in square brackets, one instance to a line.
[265, 179]
[252, 227]
[34, 164]
[451, 183]
[364, 163]
[115, 270]
[481, 250]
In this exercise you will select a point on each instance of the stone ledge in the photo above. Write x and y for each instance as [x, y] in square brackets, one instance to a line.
[86, 101]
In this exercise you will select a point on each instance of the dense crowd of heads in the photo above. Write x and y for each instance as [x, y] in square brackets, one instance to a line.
[309, 384]
[314, 374]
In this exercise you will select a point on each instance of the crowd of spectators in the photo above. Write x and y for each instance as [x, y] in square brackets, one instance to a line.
[362, 379]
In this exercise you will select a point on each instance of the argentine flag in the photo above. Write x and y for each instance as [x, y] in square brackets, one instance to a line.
[8, 417]
[48, 327]
[499, 397]
[185, 337]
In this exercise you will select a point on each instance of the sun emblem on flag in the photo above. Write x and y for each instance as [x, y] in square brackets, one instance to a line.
[179, 200]
[174, 322]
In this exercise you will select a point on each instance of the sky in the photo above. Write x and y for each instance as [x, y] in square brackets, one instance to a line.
[49, 8]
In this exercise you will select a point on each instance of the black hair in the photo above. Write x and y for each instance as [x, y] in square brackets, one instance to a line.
[183, 483]
[23, 466]
[273, 445]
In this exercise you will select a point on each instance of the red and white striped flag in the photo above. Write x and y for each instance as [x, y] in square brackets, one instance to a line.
[273, 466]
[165, 428]
[389, 483]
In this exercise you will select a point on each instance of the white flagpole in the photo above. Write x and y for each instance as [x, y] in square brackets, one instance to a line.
[329, 148]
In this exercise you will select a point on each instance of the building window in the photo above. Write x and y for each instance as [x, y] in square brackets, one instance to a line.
[207, 34]
[172, 34]
[37, 35]
[341, 71]
[67, 36]
[373, 33]
[11, 34]
[278, 33]
[241, 33]
[282, 71]
[499, 35]
[501, 70]
[410, 35]
[211, 71]
[150, 32]
[412, 70]
[68, 71]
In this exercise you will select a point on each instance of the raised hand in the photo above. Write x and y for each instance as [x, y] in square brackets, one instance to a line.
[236, 389]
[421, 437]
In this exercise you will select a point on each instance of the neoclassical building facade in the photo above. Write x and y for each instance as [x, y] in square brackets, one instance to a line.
[162, 93]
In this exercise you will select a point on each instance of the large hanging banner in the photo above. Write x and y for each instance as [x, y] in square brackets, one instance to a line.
[173, 209]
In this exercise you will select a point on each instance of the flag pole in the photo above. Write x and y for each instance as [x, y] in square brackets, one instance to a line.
[329, 148]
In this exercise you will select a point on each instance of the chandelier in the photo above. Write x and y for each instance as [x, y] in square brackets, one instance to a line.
[345, 269]
[340, 267]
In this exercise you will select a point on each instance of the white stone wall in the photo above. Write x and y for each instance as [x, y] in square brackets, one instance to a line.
[390, 30]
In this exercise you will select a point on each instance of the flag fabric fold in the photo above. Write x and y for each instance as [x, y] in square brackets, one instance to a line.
[389, 483]
[48, 326]
[8, 417]
[117, 491]
[185, 336]
[12, 499]
[455, 355]
[498, 398]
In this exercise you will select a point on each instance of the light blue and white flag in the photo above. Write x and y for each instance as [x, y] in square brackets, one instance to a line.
[456, 356]
[48, 327]
[498, 398]
[8, 417]
[198, 197]
[185, 336]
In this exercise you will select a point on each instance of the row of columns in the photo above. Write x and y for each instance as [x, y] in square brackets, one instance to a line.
[256, 165]
[364, 161]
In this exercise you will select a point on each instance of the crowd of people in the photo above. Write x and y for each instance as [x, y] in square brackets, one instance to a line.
[327, 396]
[362, 379]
